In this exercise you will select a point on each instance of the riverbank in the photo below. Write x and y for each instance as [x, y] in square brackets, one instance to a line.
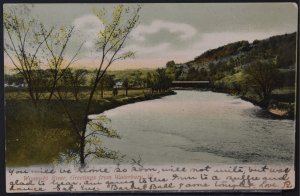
[39, 135]
[275, 108]
[117, 102]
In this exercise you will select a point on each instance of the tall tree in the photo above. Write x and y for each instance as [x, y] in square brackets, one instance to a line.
[262, 76]
[136, 79]
[23, 41]
[126, 85]
[106, 82]
[74, 80]
[110, 44]
[162, 81]
[150, 81]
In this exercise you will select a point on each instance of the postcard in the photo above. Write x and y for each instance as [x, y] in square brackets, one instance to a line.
[150, 97]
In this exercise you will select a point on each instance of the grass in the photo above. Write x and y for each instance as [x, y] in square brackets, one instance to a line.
[39, 135]
[15, 94]
[34, 136]
[285, 90]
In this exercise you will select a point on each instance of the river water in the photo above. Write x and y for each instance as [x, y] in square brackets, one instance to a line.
[200, 127]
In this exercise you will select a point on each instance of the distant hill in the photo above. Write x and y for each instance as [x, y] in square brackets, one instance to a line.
[221, 53]
[282, 46]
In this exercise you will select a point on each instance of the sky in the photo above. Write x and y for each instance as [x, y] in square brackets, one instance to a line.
[178, 31]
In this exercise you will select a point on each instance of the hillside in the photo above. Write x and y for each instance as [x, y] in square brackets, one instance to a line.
[221, 53]
[243, 52]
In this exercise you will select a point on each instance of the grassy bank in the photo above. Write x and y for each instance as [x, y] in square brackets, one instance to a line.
[39, 135]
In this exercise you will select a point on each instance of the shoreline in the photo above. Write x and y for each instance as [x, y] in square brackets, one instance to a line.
[274, 112]
[272, 109]
[114, 103]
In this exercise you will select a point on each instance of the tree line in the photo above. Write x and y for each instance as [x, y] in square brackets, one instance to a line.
[78, 80]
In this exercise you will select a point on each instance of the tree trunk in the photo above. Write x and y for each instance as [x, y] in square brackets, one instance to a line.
[76, 95]
[86, 120]
[82, 155]
[102, 90]
[52, 87]
[34, 101]
[51, 92]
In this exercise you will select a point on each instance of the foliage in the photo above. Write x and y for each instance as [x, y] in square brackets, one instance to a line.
[194, 74]
[14, 79]
[73, 80]
[170, 64]
[107, 82]
[235, 84]
[222, 52]
[126, 85]
[136, 79]
[97, 128]
[159, 80]
[262, 77]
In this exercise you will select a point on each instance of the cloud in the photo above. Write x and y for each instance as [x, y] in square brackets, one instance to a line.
[185, 31]
[87, 26]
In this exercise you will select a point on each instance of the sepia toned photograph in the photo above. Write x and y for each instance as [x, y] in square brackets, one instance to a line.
[153, 96]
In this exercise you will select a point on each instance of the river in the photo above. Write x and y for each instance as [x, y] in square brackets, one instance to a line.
[200, 127]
